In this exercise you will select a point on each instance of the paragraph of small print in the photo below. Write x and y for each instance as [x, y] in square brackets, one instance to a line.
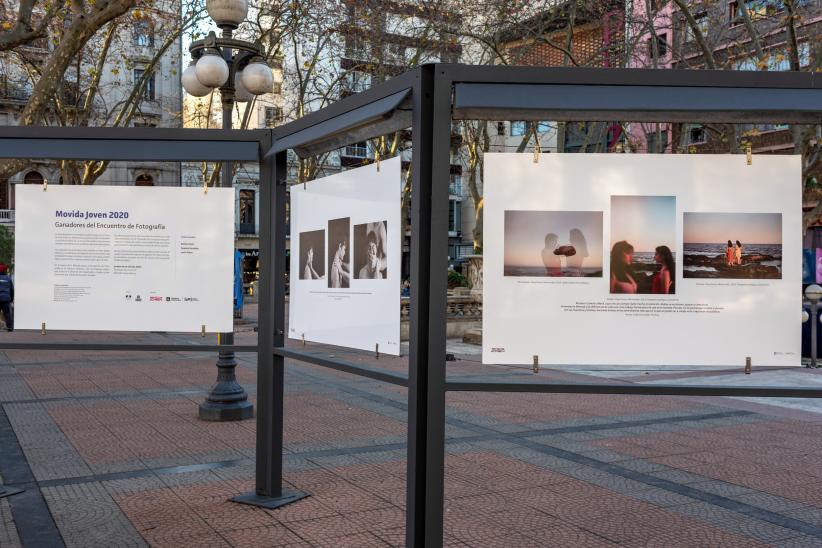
[641, 307]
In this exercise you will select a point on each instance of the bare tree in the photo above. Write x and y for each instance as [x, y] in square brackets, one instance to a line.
[92, 83]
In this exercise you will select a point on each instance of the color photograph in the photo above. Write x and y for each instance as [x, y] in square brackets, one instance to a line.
[312, 255]
[371, 251]
[732, 245]
[339, 259]
[643, 244]
[553, 243]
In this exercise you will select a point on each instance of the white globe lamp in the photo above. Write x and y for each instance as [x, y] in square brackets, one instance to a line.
[241, 95]
[192, 85]
[211, 70]
[257, 78]
[227, 13]
[813, 292]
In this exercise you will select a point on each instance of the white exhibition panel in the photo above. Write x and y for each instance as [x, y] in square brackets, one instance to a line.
[345, 259]
[549, 291]
[117, 258]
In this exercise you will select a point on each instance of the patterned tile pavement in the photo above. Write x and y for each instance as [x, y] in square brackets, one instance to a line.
[111, 453]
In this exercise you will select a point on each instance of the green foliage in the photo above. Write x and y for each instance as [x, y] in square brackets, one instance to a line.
[6, 246]
[455, 279]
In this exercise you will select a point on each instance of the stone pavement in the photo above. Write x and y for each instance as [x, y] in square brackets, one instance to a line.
[110, 453]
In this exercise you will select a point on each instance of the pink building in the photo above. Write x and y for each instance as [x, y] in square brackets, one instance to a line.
[644, 19]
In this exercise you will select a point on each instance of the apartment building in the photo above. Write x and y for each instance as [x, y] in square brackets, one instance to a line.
[135, 49]
[732, 47]
[595, 32]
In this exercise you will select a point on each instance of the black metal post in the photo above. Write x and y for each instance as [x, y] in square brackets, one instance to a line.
[268, 491]
[431, 133]
[227, 400]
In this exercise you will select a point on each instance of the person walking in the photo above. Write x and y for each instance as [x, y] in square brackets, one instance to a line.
[6, 297]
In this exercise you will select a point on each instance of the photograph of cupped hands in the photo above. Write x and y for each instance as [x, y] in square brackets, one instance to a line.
[553, 243]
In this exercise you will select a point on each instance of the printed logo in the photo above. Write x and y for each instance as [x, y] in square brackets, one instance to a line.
[155, 299]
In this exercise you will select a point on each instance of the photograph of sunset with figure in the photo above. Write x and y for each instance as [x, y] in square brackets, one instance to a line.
[553, 243]
[643, 244]
[732, 245]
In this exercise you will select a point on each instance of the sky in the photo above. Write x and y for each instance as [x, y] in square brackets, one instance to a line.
[751, 228]
[525, 234]
[645, 222]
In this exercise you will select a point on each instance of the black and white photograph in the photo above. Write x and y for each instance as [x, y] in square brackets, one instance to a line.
[370, 251]
[312, 255]
[339, 258]
[358, 305]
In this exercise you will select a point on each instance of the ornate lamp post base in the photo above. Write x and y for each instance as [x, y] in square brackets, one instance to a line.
[227, 400]
[219, 412]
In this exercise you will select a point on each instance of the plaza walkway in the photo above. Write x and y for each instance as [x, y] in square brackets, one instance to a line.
[109, 452]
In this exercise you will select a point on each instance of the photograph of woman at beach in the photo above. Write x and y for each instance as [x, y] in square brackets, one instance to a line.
[662, 283]
[643, 232]
[753, 250]
[622, 278]
[553, 243]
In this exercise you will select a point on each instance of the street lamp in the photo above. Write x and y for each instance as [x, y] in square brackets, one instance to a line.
[238, 69]
[813, 293]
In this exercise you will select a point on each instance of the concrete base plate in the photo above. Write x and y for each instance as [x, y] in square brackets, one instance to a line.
[254, 499]
[8, 491]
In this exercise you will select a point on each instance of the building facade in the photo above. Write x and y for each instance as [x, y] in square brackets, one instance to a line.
[139, 86]
[595, 32]
[728, 38]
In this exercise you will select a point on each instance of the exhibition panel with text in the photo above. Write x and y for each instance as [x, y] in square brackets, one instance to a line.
[642, 259]
[345, 259]
[113, 258]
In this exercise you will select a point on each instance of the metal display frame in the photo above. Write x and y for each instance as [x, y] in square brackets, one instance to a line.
[427, 99]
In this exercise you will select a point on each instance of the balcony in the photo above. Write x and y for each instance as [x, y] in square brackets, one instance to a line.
[6, 217]
[14, 91]
[246, 230]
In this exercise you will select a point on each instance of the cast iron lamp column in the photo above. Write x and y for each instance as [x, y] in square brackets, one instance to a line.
[813, 293]
[238, 76]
